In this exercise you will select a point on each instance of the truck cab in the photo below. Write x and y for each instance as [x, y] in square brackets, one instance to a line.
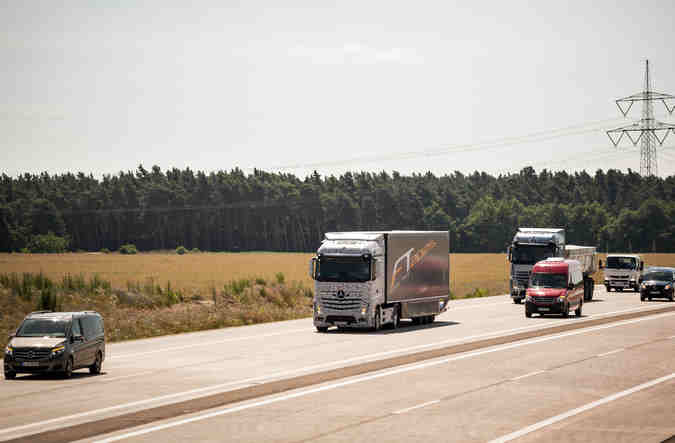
[529, 246]
[556, 286]
[622, 271]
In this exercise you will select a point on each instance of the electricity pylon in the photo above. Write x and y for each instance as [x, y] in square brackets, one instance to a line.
[648, 131]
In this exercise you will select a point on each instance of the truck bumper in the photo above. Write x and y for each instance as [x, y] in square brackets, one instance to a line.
[350, 320]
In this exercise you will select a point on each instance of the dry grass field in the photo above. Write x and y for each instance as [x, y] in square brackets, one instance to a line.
[203, 272]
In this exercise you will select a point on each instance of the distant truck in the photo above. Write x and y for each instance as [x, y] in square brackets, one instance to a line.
[371, 279]
[622, 271]
[531, 245]
[556, 287]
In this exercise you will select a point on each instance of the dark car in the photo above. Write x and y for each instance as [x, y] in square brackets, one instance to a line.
[56, 342]
[657, 282]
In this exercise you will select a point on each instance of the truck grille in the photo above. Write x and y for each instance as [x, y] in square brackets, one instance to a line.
[523, 276]
[346, 302]
[31, 353]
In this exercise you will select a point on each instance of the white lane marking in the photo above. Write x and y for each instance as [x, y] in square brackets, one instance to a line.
[581, 409]
[262, 378]
[384, 373]
[451, 309]
[672, 336]
[527, 375]
[210, 343]
[611, 352]
[412, 408]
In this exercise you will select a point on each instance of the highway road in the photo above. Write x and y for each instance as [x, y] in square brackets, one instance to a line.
[482, 372]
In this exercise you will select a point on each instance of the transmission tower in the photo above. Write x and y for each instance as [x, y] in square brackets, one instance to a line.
[648, 131]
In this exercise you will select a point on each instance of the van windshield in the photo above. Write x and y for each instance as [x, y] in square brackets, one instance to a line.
[548, 280]
[621, 262]
[41, 327]
[343, 269]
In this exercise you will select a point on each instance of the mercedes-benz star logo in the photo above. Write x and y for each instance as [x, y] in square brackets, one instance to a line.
[31, 354]
[341, 294]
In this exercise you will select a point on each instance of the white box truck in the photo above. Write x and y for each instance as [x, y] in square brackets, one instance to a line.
[622, 271]
[371, 279]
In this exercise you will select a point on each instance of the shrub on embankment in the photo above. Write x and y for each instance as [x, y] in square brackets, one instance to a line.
[148, 309]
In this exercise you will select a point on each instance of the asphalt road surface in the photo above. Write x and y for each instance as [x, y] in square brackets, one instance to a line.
[482, 372]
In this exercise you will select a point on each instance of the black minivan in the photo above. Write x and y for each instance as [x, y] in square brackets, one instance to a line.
[56, 342]
[657, 282]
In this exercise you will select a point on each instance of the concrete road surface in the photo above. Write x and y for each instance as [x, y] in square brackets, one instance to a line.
[470, 381]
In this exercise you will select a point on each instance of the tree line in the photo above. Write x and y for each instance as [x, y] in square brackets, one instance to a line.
[234, 211]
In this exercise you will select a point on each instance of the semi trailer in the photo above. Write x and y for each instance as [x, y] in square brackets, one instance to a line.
[372, 279]
[531, 245]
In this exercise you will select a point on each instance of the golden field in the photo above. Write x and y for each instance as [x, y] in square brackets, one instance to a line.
[202, 272]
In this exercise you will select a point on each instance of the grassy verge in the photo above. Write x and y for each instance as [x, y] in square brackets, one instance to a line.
[148, 309]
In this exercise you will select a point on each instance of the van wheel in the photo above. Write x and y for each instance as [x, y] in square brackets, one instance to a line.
[642, 298]
[528, 314]
[96, 367]
[566, 311]
[10, 375]
[517, 301]
[322, 328]
[68, 370]
[577, 311]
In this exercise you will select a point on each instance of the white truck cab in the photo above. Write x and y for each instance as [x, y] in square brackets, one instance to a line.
[622, 271]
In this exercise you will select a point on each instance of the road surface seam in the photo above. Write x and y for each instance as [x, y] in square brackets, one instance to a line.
[584, 408]
[143, 417]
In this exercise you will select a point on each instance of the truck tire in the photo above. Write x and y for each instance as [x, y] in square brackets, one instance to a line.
[577, 311]
[377, 320]
[432, 318]
[609, 288]
[322, 328]
[396, 319]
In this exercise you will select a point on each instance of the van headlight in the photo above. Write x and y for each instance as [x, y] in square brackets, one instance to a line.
[58, 350]
[528, 298]
[561, 299]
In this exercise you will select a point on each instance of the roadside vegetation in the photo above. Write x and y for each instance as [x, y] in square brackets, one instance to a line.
[147, 309]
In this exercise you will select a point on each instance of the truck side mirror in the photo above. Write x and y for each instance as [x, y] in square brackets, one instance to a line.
[642, 266]
[373, 269]
[600, 264]
[312, 268]
[508, 254]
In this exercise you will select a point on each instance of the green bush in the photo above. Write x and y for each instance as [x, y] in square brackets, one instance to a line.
[49, 243]
[195, 251]
[181, 250]
[281, 278]
[128, 249]
[105, 251]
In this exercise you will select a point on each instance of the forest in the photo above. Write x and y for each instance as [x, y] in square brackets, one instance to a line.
[263, 211]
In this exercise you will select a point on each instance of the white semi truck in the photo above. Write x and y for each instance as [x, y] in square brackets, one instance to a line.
[371, 279]
[531, 245]
[622, 271]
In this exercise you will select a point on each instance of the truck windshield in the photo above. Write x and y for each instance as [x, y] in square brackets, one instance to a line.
[548, 280]
[657, 276]
[343, 269]
[39, 327]
[530, 254]
[621, 262]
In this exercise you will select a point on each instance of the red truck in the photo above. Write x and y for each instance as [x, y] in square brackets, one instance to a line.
[556, 286]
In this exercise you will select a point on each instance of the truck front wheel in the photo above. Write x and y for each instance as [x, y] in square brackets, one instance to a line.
[322, 328]
[377, 320]
[517, 300]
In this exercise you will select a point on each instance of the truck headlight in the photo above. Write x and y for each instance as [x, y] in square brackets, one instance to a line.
[318, 309]
[644, 286]
[667, 288]
[363, 310]
[9, 350]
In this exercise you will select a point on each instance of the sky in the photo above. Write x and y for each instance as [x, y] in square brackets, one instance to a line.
[296, 86]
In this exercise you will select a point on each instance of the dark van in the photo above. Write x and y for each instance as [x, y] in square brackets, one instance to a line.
[56, 342]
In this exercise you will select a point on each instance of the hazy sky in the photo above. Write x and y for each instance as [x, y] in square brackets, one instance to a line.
[102, 86]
